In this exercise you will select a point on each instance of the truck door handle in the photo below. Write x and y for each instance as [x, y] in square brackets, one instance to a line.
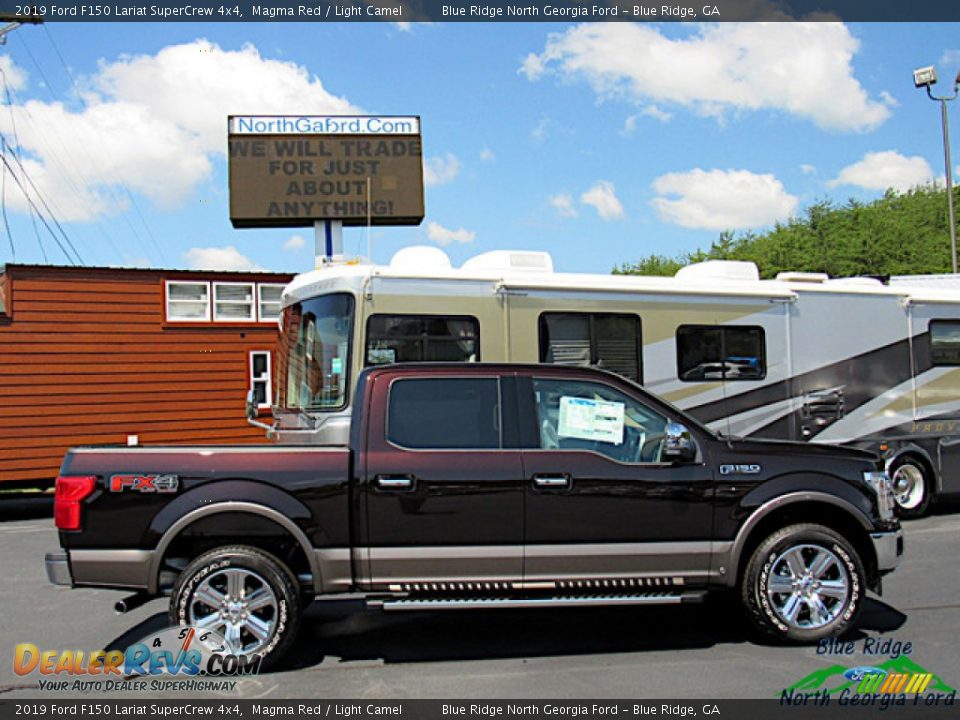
[552, 482]
[394, 482]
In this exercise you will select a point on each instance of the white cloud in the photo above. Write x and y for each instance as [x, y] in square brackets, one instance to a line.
[440, 170]
[219, 258]
[882, 170]
[563, 204]
[487, 155]
[603, 197]
[950, 58]
[152, 122]
[15, 77]
[296, 242]
[721, 199]
[443, 236]
[539, 131]
[808, 169]
[652, 111]
[801, 68]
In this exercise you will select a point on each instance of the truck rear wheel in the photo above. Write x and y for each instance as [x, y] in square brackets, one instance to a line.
[244, 594]
[803, 583]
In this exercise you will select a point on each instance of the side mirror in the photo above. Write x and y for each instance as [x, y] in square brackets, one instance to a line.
[679, 445]
[252, 410]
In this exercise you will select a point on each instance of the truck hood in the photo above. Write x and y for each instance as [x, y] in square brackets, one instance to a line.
[793, 448]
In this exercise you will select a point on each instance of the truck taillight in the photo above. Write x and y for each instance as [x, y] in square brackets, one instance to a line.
[71, 490]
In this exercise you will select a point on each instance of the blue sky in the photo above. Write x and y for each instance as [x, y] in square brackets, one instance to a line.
[601, 143]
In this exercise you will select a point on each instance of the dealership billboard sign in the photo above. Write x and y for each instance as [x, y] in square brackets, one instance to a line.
[294, 170]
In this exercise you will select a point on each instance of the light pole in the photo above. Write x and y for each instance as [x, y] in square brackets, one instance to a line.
[926, 77]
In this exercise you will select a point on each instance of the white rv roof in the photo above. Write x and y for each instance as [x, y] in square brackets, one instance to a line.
[528, 270]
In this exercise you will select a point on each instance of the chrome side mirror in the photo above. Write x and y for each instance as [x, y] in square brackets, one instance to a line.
[252, 410]
[679, 445]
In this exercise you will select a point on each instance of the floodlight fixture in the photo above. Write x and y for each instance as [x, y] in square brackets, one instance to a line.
[925, 76]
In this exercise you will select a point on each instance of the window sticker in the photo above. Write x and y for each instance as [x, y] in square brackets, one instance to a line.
[336, 366]
[381, 356]
[591, 420]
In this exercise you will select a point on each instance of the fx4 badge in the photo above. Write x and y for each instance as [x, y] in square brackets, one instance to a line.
[145, 483]
[740, 469]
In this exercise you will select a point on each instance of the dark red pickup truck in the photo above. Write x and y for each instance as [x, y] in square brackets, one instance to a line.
[482, 486]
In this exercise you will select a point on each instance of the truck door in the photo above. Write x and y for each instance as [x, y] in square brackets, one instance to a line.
[600, 503]
[442, 485]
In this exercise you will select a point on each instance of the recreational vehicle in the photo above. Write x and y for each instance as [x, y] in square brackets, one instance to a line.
[802, 357]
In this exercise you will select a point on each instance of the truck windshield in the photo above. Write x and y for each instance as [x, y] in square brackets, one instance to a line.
[314, 358]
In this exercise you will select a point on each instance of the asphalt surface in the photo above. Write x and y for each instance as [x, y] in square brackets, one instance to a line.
[703, 651]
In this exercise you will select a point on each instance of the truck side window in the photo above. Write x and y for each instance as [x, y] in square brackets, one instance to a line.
[605, 340]
[422, 338]
[445, 413]
[945, 342]
[576, 415]
[721, 352]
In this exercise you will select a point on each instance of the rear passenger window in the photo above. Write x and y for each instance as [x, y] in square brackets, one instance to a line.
[445, 413]
[945, 342]
[712, 352]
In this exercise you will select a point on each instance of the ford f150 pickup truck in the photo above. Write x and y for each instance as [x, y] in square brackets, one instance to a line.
[473, 485]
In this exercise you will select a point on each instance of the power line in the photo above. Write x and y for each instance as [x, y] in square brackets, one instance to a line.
[13, 174]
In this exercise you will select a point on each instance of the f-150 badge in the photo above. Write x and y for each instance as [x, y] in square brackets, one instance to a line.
[145, 483]
[739, 469]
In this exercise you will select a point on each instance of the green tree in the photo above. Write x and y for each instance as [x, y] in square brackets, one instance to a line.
[898, 234]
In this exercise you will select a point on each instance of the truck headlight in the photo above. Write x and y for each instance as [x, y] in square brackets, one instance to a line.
[880, 483]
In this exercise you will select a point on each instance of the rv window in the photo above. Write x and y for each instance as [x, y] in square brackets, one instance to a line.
[422, 338]
[605, 340]
[711, 352]
[445, 413]
[945, 342]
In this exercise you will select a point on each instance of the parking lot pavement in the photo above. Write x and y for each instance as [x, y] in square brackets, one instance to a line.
[670, 652]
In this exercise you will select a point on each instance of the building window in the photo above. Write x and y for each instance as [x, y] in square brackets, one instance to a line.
[268, 302]
[604, 340]
[445, 413]
[420, 338]
[945, 342]
[188, 301]
[712, 352]
[233, 302]
[260, 378]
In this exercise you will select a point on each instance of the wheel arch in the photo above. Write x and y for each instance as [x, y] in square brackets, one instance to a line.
[803, 507]
[192, 521]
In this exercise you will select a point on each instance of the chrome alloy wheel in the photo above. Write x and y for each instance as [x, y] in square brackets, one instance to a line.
[808, 586]
[908, 486]
[238, 604]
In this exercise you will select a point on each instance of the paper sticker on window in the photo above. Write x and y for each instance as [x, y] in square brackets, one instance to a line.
[381, 356]
[336, 366]
[591, 420]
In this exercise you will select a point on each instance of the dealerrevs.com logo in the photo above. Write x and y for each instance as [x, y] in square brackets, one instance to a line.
[178, 658]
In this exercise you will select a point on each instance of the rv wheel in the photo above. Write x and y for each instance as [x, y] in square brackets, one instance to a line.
[911, 487]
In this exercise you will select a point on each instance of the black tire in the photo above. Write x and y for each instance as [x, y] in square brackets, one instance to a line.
[256, 568]
[912, 478]
[769, 611]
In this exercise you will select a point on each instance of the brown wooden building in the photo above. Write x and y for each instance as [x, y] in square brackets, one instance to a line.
[108, 355]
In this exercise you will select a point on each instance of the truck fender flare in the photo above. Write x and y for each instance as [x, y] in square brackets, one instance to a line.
[781, 501]
[231, 506]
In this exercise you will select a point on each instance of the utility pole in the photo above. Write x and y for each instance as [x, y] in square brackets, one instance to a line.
[14, 21]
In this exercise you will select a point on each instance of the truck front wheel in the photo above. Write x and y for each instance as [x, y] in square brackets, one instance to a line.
[244, 594]
[803, 583]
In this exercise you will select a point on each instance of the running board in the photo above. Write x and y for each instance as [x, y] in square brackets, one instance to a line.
[666, 598]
